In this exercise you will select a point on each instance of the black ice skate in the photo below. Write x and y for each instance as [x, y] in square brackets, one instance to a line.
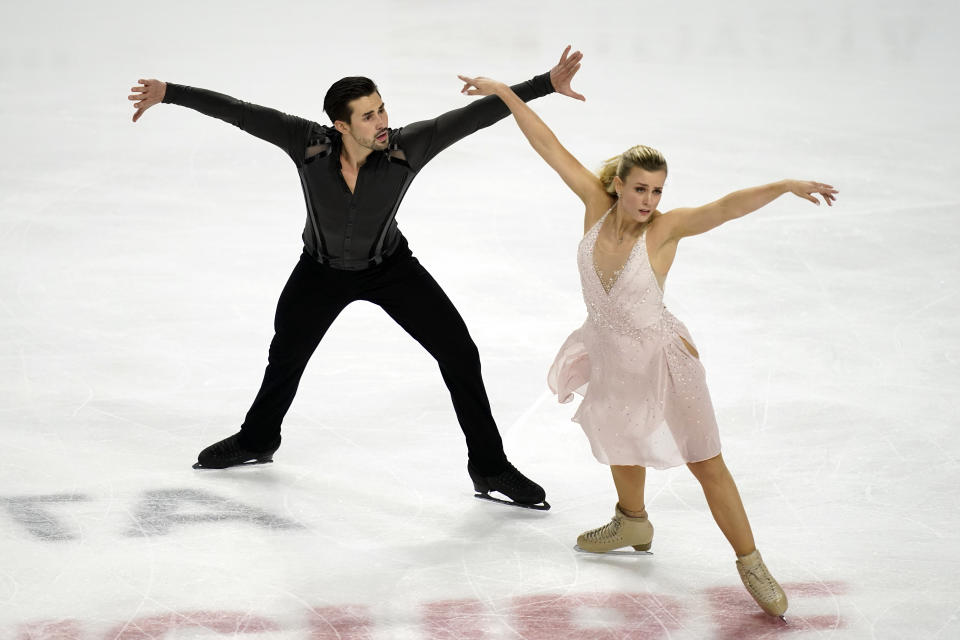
[522, 491]
[230, 453]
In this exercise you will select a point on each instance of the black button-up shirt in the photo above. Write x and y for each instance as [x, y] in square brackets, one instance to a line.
[355, 230]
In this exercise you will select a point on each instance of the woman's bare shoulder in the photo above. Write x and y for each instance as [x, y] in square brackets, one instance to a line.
[662, 225]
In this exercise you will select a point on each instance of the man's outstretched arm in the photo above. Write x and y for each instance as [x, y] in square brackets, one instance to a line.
[423, 140]
[290, 133]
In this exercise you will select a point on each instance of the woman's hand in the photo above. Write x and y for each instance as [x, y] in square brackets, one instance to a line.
[560, 77]
[806, 188]
[146, 94]
[479, 86]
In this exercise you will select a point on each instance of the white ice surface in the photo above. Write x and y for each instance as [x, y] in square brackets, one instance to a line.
[140, 265]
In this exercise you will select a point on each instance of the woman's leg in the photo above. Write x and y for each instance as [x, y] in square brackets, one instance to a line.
[630, 481]
[727, 508]
[725, 504]
[629, 526]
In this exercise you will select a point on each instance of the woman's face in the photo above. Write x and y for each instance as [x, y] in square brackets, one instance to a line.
[640, 193]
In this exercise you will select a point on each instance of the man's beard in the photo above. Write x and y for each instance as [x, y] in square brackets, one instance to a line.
[372, 143]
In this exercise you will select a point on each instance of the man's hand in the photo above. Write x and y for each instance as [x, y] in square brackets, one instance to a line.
[562, 74]
[150, 92]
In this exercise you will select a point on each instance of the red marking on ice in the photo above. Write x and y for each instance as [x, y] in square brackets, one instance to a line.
[739, 617]
[340, 623]
[57, 630]
[597, 616]
[220, 621]
[642, 615]
[456, 620]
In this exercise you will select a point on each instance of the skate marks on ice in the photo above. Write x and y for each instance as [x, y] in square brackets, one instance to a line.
[737, 616]
[150, 627]
[156, 513]
[545, 616]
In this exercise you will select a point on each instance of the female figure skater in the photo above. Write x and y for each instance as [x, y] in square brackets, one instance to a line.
[646, 402]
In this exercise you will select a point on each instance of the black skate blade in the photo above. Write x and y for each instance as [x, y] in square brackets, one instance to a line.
[541, 506]
[615, 552]
[248, 463]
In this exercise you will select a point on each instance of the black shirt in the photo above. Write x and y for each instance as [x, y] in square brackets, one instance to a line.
[355, 230]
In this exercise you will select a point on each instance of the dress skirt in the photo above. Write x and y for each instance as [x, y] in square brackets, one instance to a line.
[645, 397]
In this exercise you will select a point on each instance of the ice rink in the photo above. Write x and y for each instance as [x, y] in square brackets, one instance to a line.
[140, 266]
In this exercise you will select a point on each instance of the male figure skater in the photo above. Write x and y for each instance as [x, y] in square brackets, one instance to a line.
[354, 175]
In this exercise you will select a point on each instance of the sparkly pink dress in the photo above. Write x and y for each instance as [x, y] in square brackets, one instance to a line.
[645, 398]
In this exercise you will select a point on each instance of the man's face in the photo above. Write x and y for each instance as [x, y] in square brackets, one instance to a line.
[368, 122]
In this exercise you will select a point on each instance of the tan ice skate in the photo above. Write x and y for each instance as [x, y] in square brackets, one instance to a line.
[761, 585]
[621, 531]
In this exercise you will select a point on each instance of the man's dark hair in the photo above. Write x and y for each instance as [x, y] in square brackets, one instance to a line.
[336, 102]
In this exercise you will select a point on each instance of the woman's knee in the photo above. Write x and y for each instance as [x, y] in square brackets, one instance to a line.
[709, 471]
[628, 471]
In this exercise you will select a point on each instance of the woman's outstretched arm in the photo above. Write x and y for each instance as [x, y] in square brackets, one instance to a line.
[583, 183]
[695, 220]
[670, 227]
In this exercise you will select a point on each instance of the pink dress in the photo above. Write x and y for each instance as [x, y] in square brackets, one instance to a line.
[645, 398]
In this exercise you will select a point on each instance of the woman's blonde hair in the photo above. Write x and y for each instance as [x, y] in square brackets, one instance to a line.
[647, 158]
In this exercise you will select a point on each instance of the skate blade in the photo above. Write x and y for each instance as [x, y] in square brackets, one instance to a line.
[249, 463]
[542, 506]
[615, 552]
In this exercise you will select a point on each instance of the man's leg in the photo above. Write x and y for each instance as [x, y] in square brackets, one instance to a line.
[410, 295]
[307, 307]
[417, 303]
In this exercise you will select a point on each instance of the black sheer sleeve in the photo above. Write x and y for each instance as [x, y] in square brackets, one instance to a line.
[291, 133]
[421, 141]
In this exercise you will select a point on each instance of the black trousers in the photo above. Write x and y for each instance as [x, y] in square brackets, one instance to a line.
[316, 294]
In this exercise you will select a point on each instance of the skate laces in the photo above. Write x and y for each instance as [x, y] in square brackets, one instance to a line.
[609, 531]
[227, 446]
[761, 583]
[512, 480]
[232, 447]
